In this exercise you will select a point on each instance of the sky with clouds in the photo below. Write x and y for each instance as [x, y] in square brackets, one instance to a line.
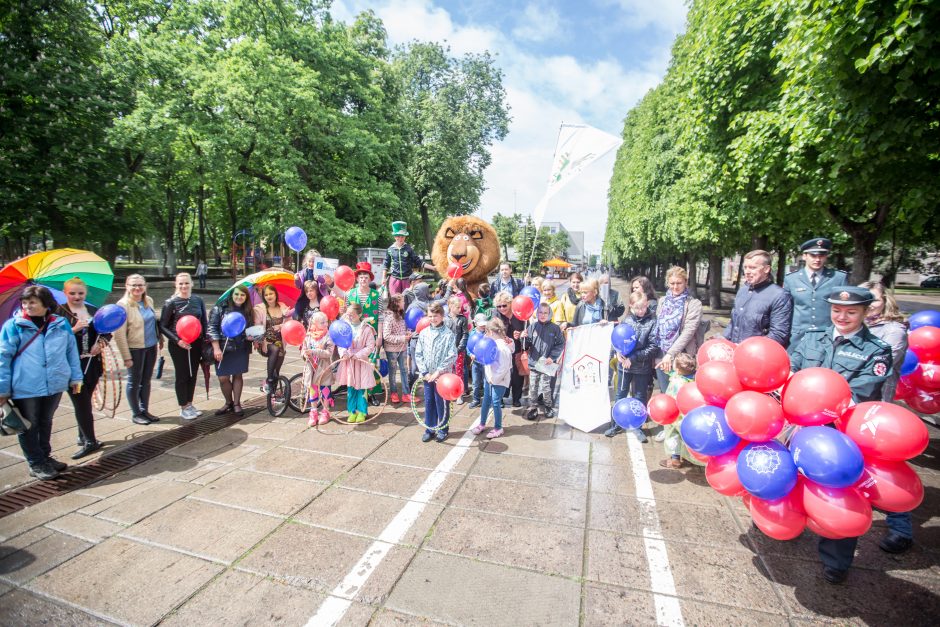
[571, 61]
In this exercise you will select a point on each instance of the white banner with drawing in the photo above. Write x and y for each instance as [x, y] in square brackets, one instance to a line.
[584, 399]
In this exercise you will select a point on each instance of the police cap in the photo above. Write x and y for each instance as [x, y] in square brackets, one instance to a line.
[816, 245]
[850, 295]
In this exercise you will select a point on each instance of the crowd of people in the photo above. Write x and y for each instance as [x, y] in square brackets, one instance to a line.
[48, 348]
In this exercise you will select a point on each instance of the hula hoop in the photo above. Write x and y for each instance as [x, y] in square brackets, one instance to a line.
[414, 410]
[375, 369]
[107, 394]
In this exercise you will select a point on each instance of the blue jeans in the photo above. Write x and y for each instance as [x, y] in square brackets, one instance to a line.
[492, 397]
[901, 524]
[435, 410]
[663, 379]
[138, 379]
[396, 361]
[35, 441]
[479, 374]
[640, 383]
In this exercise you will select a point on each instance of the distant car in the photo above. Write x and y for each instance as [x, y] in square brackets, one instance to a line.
[120, 258]
[931, 281]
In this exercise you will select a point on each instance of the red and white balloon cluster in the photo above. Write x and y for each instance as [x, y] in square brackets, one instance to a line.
[919, 386]
[824, 479]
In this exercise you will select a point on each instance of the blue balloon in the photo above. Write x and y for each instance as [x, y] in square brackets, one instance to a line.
[910, 363]
[926, 318]
[705, 430]
[766, 470]
[486, 351]
[295, 238]
[109, 319]
[629, 413]
[341, 333]
[233, 323]
[623, 338]
[827, 456]
[533, 294]
[383, 367]
[472, 340]
[413, 317]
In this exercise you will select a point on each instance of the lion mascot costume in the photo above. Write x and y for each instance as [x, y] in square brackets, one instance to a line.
[470, 242]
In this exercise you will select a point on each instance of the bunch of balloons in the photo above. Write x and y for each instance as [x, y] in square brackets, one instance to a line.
[919, 386]
[525, 304]
[825, 479]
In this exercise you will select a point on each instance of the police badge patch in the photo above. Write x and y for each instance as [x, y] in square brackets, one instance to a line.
[880, 369]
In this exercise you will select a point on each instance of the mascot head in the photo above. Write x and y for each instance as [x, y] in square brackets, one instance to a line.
[470, 242]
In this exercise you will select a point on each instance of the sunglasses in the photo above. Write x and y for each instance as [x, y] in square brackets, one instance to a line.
[502, 306]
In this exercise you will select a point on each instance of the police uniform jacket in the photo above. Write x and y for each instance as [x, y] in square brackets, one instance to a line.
[810, 308]
[764, 309]
[863, 359]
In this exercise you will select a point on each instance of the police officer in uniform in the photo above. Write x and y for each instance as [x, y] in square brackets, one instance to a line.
[809, 286]
[849, 348]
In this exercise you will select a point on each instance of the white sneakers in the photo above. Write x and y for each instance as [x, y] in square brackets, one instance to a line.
[189, 412]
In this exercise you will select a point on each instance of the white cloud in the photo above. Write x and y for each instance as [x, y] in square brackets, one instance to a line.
[543, 92]
[538, 23]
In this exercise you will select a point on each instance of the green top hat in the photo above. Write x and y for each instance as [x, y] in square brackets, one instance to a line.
[399, 228]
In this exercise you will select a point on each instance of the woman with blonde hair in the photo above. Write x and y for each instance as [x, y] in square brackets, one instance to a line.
[138, 341]
[678, 315]
[885, 321]
[514, 328]
[80, 316]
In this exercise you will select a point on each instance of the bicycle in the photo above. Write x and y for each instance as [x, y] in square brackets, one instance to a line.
[278, 398]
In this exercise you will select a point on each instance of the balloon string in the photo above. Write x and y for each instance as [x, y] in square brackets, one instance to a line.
[189, 362]
[224, 346]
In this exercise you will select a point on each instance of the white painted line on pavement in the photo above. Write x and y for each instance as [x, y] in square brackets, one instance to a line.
[336, 605]
[668, 610]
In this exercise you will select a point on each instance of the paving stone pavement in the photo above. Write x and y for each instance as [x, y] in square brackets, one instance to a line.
[259, 523]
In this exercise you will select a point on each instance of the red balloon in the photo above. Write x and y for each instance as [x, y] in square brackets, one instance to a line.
[689, 397]
[891, 486]
[781, 519]
[345, 278]
[449, 386]
[522, 307]
[718, 382]
[293, 333]
[904, 389]
[721, 472]
[330, 307]
[423, 324]
[924, 401]
[454, 270]
[925, 342]
[188, 328]
[818, 529]
[926, 376]
[761, 364]
[715, 349]
[746, 499]
[815, 396]
[663, 409]
[702, 458]
[842, 511]
[754, 416]
[885, 431]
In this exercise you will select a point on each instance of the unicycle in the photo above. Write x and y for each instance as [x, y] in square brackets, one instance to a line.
[279, 397]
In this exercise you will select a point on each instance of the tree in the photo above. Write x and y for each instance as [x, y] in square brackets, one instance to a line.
[455, 109]
[506, 228]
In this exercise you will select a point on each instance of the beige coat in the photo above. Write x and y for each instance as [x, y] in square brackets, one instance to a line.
[131, 333]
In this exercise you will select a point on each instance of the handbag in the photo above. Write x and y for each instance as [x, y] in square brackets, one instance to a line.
[12, 422]
[521, 360]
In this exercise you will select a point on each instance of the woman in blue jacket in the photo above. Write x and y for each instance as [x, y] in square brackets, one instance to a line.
[38, 361]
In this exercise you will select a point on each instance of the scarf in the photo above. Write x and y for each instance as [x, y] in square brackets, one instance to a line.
[593, 310]
[669, 314]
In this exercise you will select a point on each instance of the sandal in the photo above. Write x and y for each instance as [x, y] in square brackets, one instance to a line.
[225, 409]
[237, 410]
[674, 464]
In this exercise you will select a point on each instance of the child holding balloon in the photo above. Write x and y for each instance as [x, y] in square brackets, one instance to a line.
[355, 370]
[683, 372]
[435, 354]
[498, 371]
[317, 351]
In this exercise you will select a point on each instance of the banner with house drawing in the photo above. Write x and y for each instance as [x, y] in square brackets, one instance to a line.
[584, 401]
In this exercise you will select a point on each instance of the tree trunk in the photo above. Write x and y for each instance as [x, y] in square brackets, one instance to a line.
[864, 237]
[200, 208]
[693, 275]
[714, 280]
[426, 224]
[781, 263]
[737, 280]
[759, 242]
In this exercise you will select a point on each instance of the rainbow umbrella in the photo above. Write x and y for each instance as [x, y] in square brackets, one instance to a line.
[283, 281]
[52, 268]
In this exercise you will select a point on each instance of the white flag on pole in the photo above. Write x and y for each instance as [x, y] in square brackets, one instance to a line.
[578, 147]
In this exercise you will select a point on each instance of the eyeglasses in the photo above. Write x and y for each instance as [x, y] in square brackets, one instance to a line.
[137, 286]
[502, 306]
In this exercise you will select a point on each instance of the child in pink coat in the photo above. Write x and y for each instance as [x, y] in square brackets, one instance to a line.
[355, 370]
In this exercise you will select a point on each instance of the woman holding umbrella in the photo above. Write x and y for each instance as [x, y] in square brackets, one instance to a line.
[38, 361]
[230, 353]
[185, 356]
[80, 315]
